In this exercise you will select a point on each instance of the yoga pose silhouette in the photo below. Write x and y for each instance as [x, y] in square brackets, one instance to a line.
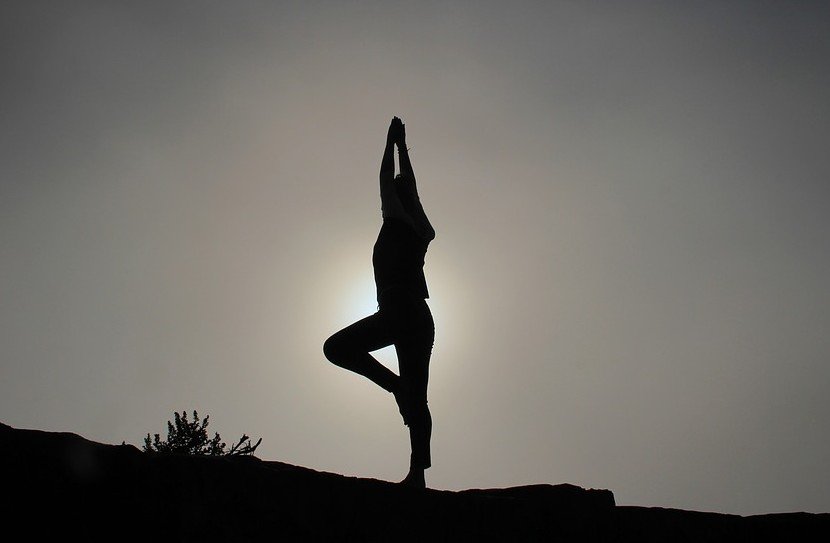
[403, 318]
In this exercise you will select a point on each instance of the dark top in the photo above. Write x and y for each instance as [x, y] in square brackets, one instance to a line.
[398, 258]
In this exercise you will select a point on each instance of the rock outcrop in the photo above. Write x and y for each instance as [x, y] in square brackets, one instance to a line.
[62, 485]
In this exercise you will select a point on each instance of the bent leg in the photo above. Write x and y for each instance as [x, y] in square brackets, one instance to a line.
[349, 348]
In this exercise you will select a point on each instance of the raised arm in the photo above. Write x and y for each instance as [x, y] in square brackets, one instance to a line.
[409, 193]
[403, 154]
[387, 163]
[390, 203]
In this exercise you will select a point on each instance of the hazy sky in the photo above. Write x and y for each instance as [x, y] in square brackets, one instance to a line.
[631, 275]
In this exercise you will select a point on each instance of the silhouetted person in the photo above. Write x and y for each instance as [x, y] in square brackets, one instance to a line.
[403, 318]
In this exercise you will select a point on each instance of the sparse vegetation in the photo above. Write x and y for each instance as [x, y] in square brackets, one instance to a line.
[191, 437]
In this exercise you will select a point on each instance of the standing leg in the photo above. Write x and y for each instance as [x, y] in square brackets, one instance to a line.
[413, 361]
[414, 350]
[350, 347]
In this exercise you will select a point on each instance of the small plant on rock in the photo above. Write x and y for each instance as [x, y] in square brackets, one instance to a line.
[191, 437]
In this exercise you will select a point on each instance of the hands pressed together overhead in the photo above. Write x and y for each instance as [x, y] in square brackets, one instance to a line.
[397, 133]
[396, 136]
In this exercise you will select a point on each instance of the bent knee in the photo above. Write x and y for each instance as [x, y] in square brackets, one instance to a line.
[333, 349]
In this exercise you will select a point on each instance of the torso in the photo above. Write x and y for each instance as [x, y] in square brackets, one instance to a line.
[398, 259]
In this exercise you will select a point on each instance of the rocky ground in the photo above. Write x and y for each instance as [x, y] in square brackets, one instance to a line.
[62, 485]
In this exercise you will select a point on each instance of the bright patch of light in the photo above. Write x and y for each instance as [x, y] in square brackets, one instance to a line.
[360, 300]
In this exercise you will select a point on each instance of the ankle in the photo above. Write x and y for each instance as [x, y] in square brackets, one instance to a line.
[415, 478]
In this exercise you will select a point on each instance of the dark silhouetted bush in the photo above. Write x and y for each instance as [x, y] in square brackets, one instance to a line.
[191, 437]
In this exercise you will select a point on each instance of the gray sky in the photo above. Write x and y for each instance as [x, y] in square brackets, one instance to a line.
[629, 279]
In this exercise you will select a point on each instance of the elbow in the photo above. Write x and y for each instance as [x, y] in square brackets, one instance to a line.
[426, 232]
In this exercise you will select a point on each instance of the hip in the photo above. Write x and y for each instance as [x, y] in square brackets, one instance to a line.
[406, 313]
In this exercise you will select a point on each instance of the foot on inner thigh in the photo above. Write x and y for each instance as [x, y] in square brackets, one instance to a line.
[401, 394]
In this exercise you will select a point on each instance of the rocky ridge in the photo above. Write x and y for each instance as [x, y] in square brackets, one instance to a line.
[61, 485]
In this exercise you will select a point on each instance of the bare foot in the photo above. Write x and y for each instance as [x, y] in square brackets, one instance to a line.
[414, 479]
